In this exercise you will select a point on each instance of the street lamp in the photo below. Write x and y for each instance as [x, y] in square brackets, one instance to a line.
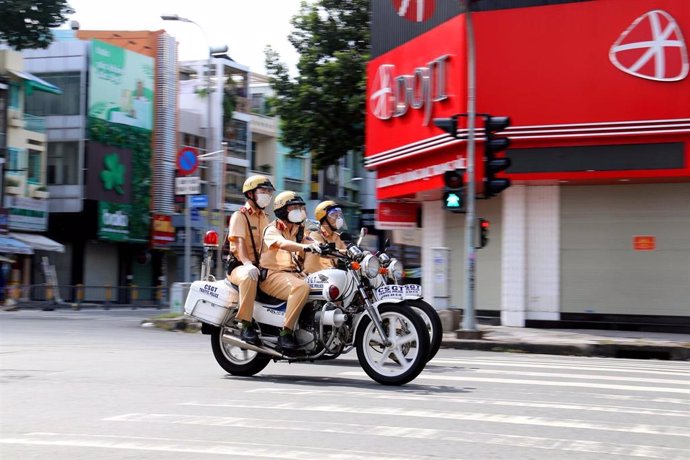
[212, 51]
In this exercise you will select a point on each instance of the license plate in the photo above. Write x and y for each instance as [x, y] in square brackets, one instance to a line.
[399, 291]
[412, 291]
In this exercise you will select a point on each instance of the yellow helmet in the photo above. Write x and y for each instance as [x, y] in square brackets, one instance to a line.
[283, 200]
[256, 181]
[322, 209]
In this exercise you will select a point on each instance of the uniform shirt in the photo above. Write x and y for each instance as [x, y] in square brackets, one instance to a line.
[258, 220]
[314, 262]
[274, 258]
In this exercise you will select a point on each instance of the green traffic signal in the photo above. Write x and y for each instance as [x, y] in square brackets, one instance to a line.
[453, 200]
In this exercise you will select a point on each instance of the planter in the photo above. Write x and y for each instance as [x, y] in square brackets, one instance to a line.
[41, 194]
[13, 190]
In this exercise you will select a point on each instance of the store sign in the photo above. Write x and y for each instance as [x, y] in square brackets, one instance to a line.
[652, 48]
[415, 10]
[393, 216]
[27, 213]
[393, 94]
[113, 221]
[163, 230]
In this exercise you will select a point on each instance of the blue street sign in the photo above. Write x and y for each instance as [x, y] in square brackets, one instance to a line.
[187, 160]
[199, 201]
[194, 213]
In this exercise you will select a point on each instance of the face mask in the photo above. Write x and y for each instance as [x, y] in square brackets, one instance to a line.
[263, 200]
[297, 216]
[339, 222]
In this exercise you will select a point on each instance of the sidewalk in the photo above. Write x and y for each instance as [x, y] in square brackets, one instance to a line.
[579, 342]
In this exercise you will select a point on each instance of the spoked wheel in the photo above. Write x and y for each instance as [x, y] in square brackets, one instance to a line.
[405, 356]
[236, 360]
[433, 324]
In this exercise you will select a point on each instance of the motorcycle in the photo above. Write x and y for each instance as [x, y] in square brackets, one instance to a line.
[391, 341]
[392, 270]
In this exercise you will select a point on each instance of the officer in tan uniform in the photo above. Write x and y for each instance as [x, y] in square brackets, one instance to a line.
[284, 242]
[245, 232]
[331, 218]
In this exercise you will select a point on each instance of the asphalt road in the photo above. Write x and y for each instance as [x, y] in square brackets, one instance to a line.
[94, 384]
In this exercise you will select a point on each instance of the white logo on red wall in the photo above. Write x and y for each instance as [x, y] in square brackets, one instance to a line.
[415, 10]
[382, 99]
[652, 48]
[394, 95]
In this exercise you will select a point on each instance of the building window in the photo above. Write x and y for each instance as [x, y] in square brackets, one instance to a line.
[67, 103]
[63, 163]
[294, 168]
[236, 137]
[14, 96]
[14, 159]
[34, 172]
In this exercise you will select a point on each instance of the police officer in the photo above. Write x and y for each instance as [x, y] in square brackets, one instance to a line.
[283, 243]
[245, 232]
[331, 219]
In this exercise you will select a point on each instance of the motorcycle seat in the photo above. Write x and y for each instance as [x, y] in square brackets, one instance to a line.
[262, 297]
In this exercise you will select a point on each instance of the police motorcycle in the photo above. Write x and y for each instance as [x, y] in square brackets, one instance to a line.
[386, 286]
[391, 341]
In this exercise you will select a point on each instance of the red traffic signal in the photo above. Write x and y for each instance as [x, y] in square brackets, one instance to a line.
[484, 226]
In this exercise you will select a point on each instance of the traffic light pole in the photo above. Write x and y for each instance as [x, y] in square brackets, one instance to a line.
[469, 325]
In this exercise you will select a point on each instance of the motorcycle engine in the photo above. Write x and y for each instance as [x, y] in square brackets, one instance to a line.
[321, 324]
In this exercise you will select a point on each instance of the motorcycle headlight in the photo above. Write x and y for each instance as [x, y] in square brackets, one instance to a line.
[371, 266]
[395, 269]
[354, 252]
[385, 259]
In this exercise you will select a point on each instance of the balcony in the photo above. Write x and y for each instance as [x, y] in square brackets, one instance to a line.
[34, 123]
[267, 126]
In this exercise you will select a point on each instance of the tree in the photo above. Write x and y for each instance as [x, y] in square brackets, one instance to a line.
[26, 23]
[322, 109]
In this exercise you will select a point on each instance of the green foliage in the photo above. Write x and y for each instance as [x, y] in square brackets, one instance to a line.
[322, 110]
[26, 24]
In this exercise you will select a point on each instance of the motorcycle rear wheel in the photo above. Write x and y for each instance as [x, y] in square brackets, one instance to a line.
[235, 360]
[407, 355]
[433, 324]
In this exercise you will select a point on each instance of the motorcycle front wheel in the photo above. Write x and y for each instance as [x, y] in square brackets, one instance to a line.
[432, 321]
[406, 355]
[236, 360]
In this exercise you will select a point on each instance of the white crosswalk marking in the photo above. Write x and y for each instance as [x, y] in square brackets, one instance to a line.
[416, 433]
[475, 416]
[189, 447]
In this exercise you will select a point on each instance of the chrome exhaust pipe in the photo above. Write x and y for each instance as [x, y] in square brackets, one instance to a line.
[232, 340]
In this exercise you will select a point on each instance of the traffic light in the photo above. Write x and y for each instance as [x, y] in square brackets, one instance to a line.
[449, 125]
[483, 225]
[493, 165]
[454, 191]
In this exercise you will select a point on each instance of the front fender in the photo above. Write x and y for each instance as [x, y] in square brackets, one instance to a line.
[366, 313]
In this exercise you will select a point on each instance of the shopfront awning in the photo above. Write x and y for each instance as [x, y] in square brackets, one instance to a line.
[37, 83]
[38, 242]
[11, 246]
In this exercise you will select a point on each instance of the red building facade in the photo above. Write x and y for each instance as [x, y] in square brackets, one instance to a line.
[599, 97]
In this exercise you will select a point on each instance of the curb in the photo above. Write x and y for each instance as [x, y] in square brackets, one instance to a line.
[620, 350]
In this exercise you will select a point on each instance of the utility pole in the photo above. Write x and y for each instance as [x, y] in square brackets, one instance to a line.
[469, 324]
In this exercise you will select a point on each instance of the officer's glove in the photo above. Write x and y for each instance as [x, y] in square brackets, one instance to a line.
[252, 271]
[314, 247]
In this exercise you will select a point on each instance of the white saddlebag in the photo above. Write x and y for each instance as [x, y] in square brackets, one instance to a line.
[210, 302]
